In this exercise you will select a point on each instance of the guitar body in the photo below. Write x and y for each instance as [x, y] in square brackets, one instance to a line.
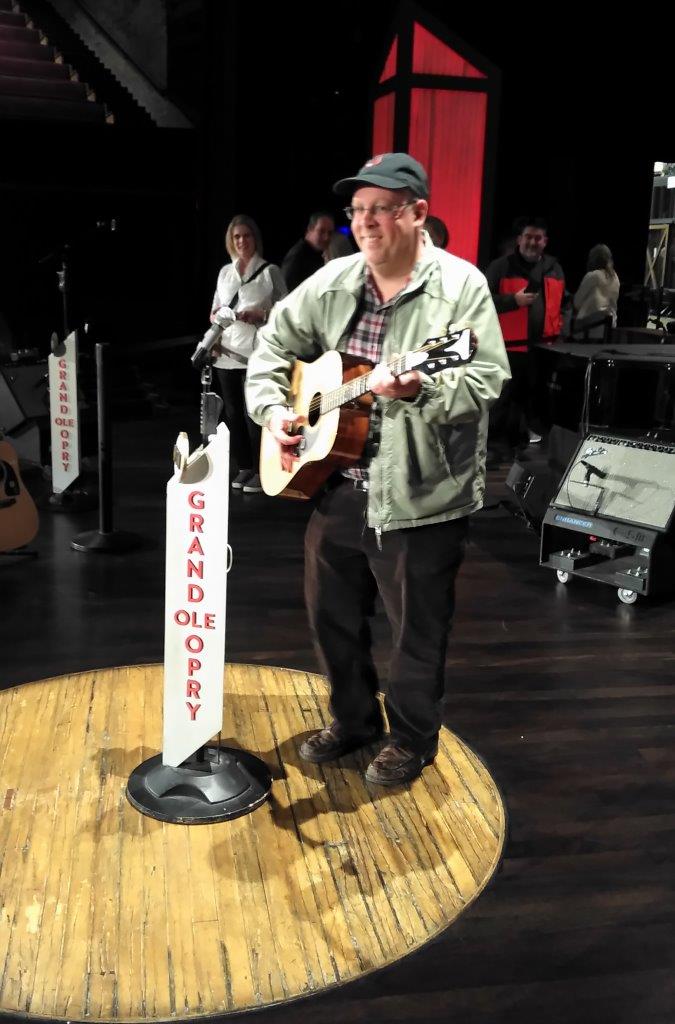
[338, 384]
[329, 442]
[18, 515]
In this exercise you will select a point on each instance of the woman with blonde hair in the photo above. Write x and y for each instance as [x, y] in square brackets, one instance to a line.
[250, 287]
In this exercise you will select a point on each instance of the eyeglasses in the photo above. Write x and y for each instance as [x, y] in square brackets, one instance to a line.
[377, 210]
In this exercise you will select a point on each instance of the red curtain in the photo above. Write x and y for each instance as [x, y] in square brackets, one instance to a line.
[389, 69]
[383, 124]
[447, 135]
[432, 57]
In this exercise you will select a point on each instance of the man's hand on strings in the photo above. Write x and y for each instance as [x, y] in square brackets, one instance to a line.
[382, 382]
[281, 424]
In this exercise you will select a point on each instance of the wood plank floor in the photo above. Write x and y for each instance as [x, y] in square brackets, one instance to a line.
[110, 915]
[567, 695]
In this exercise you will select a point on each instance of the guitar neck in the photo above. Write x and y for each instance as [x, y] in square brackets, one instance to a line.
[437, 354]
[358, 386]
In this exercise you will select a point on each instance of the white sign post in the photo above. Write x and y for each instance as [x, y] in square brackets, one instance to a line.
[197, 505]
[190, 782]
[65, 428]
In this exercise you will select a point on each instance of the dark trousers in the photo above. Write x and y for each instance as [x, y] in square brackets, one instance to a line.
[522, 404]
[244, 433]
[414, 573]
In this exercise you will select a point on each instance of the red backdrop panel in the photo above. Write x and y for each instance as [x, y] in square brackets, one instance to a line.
[390, 64]
[447, 135]
[383, 124]
[432, 57]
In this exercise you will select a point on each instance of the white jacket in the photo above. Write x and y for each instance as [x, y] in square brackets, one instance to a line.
[268, 287]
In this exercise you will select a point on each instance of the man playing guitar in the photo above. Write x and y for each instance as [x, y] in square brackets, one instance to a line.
[396, 522]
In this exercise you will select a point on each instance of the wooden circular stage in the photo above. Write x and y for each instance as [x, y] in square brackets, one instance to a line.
[110, 915]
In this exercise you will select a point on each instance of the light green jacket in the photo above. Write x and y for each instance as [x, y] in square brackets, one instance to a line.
[430, 465]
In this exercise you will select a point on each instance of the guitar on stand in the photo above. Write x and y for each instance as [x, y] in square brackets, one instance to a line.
[18, 514]
[333, 396]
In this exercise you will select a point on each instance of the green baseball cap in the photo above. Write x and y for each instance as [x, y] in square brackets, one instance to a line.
[387, 170]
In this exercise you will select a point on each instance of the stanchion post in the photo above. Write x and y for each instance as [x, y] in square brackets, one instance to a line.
[105, 511]
[105, 540]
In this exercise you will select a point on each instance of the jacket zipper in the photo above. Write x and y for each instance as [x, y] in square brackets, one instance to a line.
[378, 529]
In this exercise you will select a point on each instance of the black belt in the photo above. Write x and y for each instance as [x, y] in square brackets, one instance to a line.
[358, 485]
[338, 479]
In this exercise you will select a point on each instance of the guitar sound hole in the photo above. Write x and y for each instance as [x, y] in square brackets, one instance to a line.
[314, 410]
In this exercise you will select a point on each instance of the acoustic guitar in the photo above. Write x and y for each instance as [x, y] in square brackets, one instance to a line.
[18, 514]
[333, 396]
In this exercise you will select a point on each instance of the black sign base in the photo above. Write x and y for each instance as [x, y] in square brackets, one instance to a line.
[72, 500]
[225, 785]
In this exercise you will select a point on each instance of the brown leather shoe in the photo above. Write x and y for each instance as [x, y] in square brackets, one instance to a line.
[331, 743]
[396, 765]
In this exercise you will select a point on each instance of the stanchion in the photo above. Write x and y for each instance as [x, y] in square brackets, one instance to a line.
[105, 540]
[77, 500]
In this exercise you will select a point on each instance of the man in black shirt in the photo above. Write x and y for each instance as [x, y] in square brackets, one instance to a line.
[307, 255]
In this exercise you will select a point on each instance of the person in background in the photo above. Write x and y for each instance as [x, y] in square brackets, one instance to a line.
[438, 232]
[528, 289]
[250, 287]
[307, 255]
[339, 245]
[598, 292]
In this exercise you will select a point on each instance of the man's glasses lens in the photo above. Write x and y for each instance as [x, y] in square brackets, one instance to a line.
[377, 210]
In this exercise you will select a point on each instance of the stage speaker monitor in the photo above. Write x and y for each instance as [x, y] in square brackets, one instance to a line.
[533, 487]
[623, 479]
[23, 393]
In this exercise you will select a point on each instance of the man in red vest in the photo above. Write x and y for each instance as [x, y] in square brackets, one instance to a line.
[528, 288]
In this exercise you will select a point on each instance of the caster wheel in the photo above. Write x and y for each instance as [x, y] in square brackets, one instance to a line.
[563, 576]
[627, 596]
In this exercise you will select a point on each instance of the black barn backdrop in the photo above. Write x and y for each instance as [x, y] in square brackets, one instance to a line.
[279, 100]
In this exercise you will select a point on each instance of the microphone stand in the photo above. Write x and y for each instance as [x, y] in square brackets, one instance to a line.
[74, 499]
[61, 255]
[104, 540]
[210, 405]
[63, 278]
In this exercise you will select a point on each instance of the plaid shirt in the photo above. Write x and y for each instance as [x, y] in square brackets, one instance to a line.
[366, 342]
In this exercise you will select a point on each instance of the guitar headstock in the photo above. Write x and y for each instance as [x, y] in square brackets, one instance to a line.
[455, 348]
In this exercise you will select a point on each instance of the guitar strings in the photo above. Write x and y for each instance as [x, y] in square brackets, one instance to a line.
[351, 390]
[334, 399]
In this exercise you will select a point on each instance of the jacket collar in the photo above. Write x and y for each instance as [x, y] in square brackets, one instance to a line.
[253, 264]
[350, 275]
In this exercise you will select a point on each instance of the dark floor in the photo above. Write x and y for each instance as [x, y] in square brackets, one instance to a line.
[566, 694]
